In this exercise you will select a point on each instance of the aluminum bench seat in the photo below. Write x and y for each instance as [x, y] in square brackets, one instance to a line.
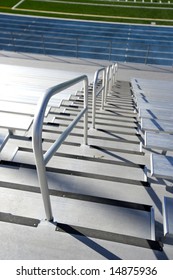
[144, 103]
[154, 106]
[156, 125]
[156, 113]
[161, 166]
[15, 121]
[147, 84]
[160, 141]
[168, 216]
[29, 99]
[153, 92]
[154, 99]
[19, 108]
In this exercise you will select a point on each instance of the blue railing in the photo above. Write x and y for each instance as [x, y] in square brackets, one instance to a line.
[123, 50]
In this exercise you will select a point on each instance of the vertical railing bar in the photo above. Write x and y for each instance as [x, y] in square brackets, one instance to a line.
[37, 137]
[77, 42]
[110, 50]
[109, 47]
[13, 42]
[104, 89]
[147, 54]
[107, 82]
[43, 44]
[95, 93]
[86, 112]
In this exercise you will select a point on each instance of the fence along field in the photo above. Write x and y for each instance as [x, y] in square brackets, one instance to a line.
[137, 11]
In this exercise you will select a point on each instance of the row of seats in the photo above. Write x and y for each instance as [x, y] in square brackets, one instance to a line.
[116, 42]
[153, 100]
[111, 154]
[20, 94]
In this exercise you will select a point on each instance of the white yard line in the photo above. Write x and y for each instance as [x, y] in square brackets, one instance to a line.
[92, 15]
[15, 6]
[106, 5]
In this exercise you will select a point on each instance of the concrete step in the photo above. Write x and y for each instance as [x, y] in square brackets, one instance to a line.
[98, 169]
[94, 133]
[105, 217]
[107, 121]
[92, 152]
[115, 145]
[106, 112]
[117, 128]
[22, 176]
[100, 114]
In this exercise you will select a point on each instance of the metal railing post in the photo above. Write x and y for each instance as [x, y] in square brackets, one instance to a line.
[95, 93]
[77, 47]
[114, 72]
[40, 159]
[107, 82]
[41, 169]
[147, 54]
[44, 50]
[110, 50]
[86, 112]
[111, 71]
[104, 89]
[13, 41]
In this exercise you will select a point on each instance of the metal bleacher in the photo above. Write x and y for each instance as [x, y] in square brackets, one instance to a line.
[95, 185]
[74, 177]
[84, 39]
[155, 118]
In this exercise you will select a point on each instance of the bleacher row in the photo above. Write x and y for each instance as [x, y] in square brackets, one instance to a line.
[85, 39]
[20, 94]
[154, 99]
[78, 173]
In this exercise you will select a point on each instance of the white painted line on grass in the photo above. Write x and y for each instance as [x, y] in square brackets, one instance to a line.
[15, 6]
[92, 15]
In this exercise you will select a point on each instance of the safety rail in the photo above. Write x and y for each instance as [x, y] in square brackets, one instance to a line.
[96, 92]
[111, 72]
[123, 49]
[42, 159]
[108, 77]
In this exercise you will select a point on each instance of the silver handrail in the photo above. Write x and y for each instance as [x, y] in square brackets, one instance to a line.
[114, 73]
[96, 91]
[108, 76]
[40, 159]
[111, 72]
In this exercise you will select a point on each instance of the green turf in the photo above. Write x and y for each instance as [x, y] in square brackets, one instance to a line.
[118, 11]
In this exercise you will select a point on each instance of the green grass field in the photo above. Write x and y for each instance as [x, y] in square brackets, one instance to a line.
[141, 11]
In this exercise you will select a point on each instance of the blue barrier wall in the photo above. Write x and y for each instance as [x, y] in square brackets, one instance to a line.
[86, 39]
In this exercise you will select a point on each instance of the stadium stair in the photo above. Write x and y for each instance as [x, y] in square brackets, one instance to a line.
[87, 183]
